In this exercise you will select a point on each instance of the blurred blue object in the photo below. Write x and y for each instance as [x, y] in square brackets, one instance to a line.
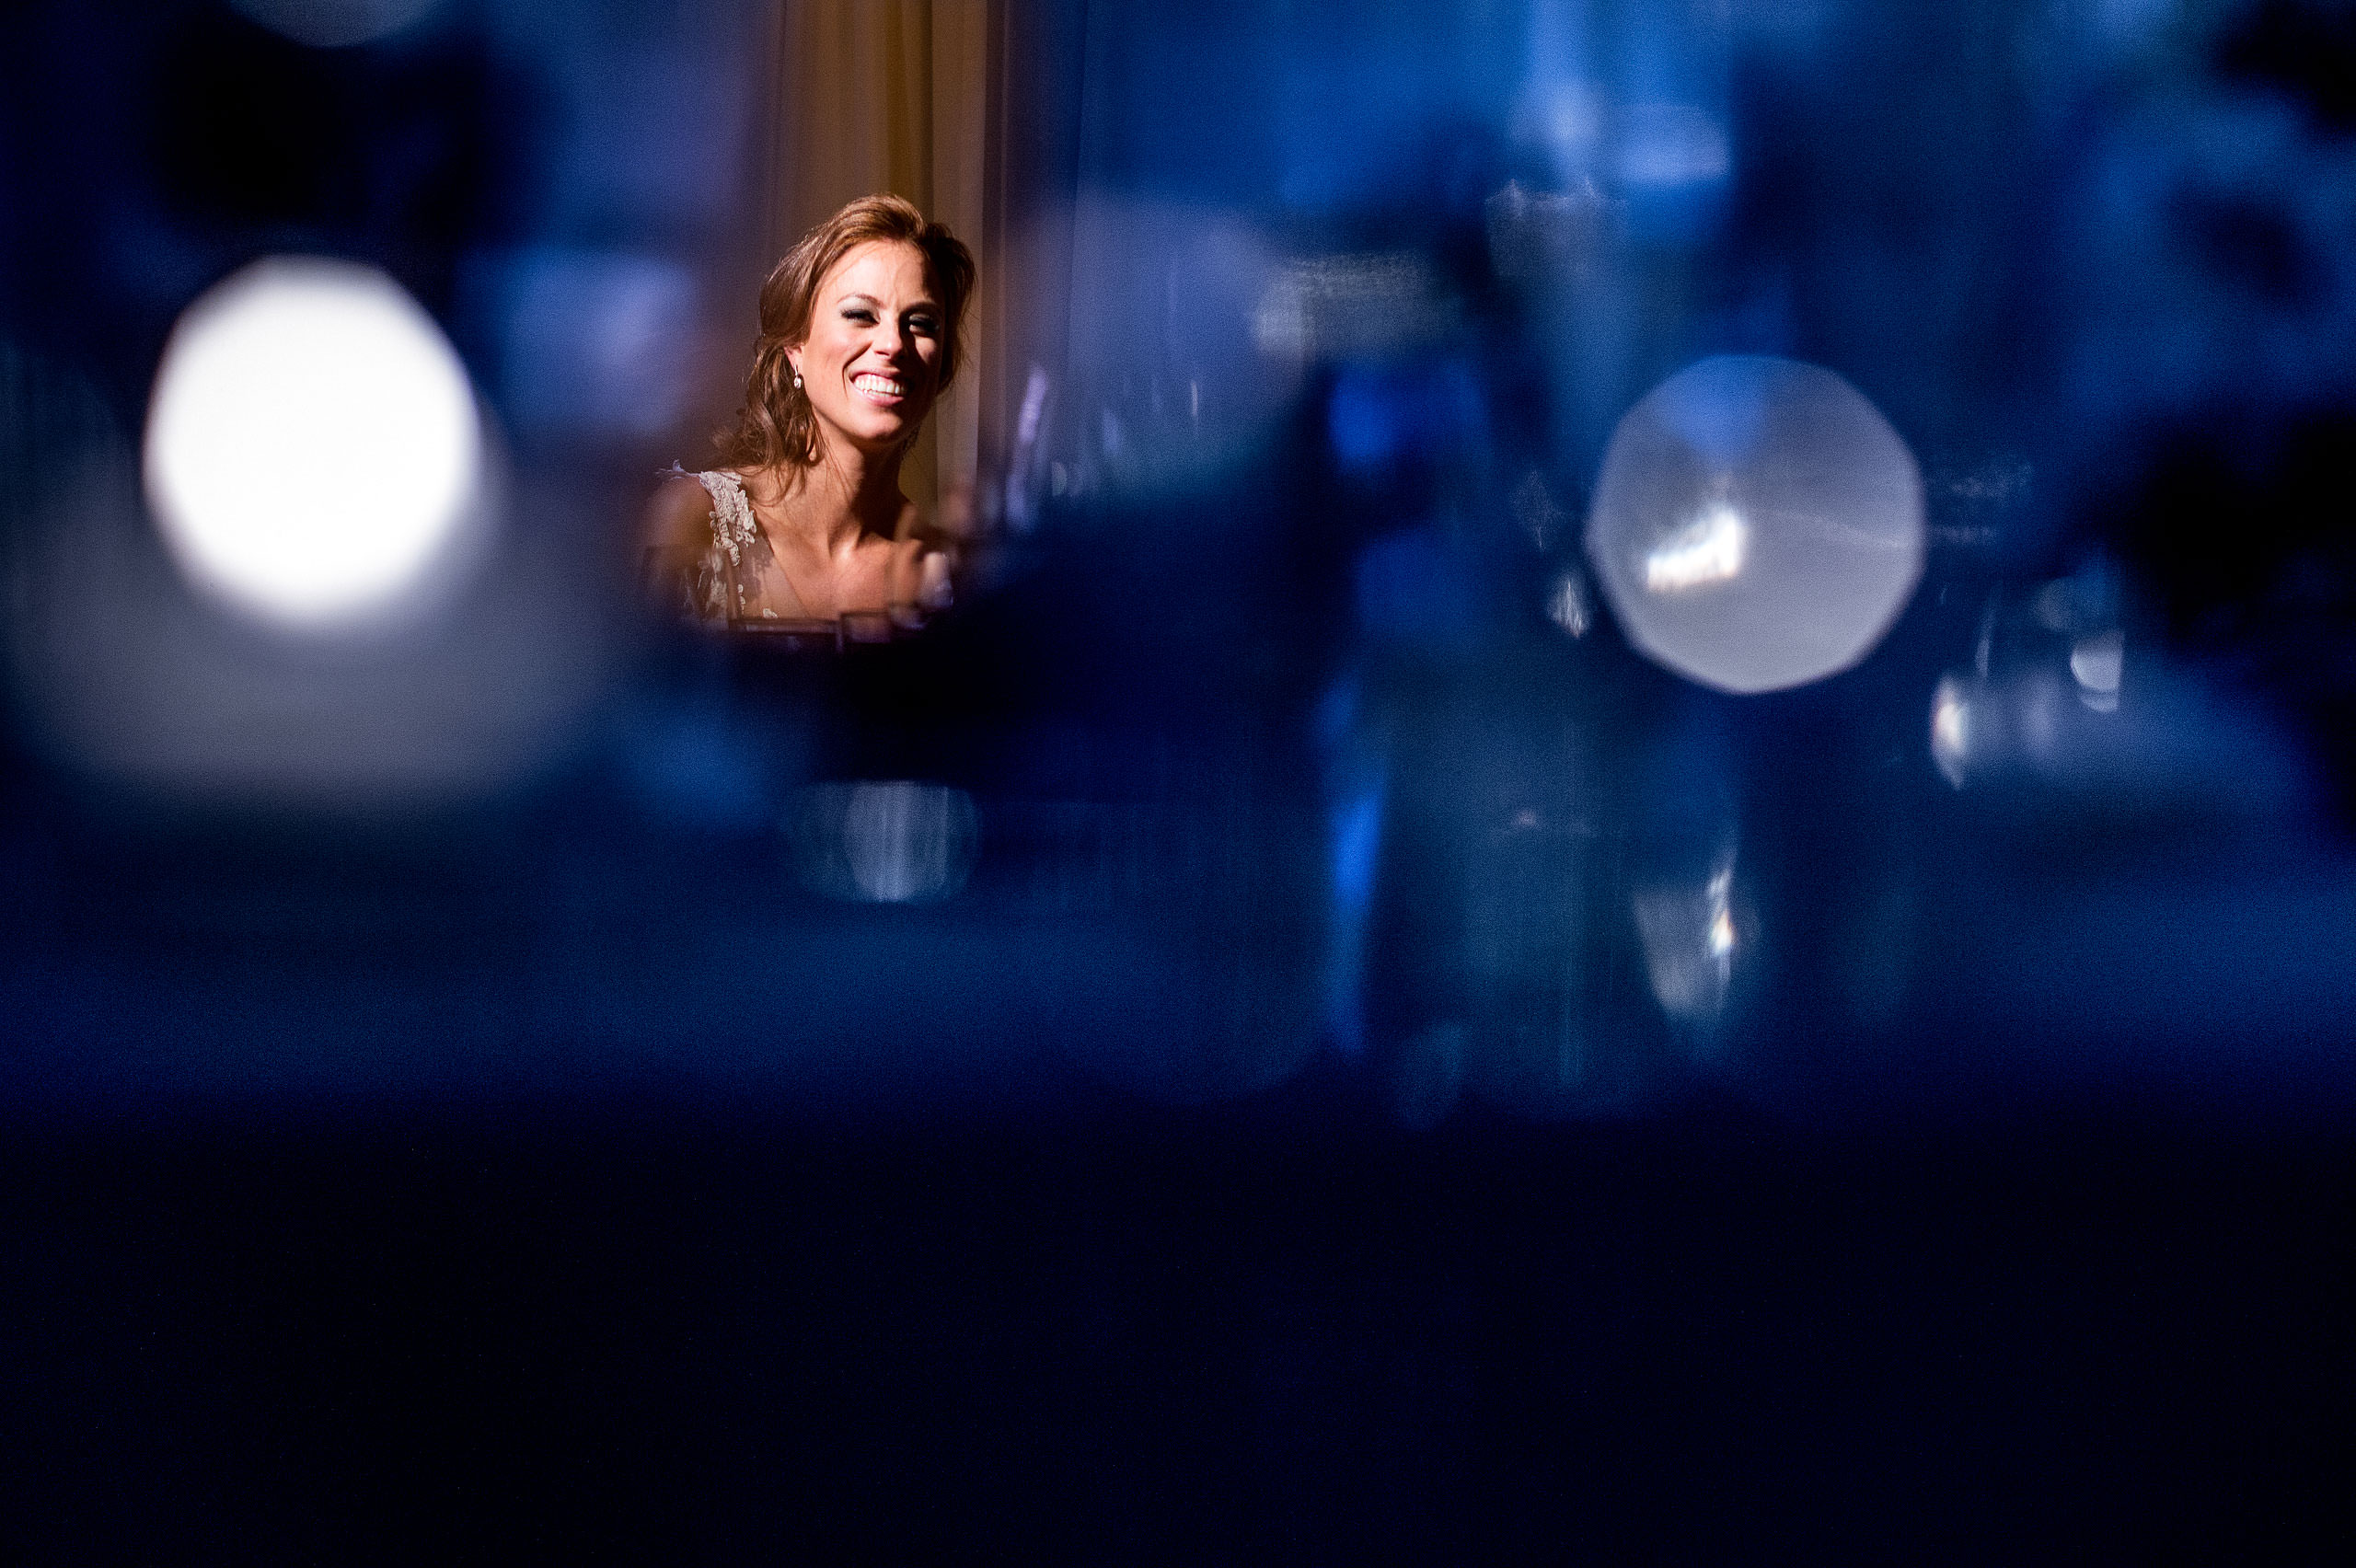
[1316, 332]
[596, 345]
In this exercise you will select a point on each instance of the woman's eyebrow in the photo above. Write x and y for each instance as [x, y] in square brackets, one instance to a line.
[870, 300]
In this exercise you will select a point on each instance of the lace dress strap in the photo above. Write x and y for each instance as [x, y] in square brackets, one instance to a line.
[733, 528]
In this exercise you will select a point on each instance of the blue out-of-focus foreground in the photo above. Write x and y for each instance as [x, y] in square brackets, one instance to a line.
[1635, 833]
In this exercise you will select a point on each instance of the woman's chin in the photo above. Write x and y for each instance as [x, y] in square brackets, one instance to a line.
[876, 435]
[876, 442]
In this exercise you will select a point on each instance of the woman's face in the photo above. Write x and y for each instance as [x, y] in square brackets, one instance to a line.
[871, 362]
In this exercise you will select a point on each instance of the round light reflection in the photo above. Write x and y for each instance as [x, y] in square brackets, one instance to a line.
[313, 447]
[1758, 525]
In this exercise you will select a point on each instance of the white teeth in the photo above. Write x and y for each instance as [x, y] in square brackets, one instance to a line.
[882, 384]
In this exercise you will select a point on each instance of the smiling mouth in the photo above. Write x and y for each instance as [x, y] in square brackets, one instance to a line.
[880, 388]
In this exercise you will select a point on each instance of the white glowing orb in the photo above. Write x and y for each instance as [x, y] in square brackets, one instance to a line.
[1757, 525]
[313, 447]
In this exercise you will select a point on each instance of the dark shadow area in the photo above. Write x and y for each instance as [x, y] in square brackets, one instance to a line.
[1146, 1337]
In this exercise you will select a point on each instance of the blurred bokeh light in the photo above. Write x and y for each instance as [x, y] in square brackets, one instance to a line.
[313, 453]
[1757, 524]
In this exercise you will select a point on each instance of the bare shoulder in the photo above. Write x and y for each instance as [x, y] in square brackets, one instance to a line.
[678, 516]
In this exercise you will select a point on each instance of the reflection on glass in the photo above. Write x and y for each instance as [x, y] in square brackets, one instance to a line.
[891, 842]
[2096, 662]
[1566, 605]
[1951, 729]
[2011, 711]
[1689, 939]
[1706, 550]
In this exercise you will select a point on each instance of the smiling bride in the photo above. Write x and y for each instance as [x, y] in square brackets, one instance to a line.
[806, 528]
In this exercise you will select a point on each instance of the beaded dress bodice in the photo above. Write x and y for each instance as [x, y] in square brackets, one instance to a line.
[738, 583]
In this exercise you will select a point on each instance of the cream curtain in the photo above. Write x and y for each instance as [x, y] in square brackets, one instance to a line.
[896, 95]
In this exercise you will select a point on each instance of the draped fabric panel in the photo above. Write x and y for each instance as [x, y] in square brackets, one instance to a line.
[897, 95]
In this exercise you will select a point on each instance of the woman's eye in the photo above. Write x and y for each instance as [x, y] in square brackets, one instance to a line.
[855, 314]
[924, 324]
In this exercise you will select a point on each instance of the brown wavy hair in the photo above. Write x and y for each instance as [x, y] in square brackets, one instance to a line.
[773, 426]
